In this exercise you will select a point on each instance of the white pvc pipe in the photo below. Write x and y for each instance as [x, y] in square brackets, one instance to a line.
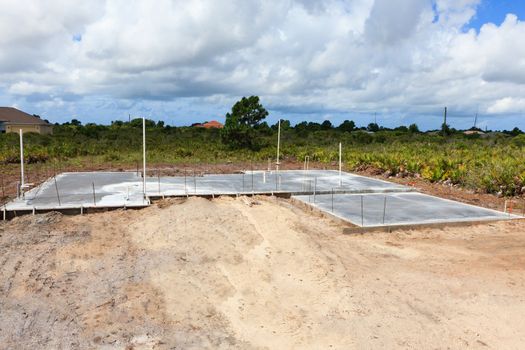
[22, 185]
[340, 163]
[278, 144]
[144, 156]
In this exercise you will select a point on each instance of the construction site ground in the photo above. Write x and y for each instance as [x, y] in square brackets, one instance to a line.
[255, 274]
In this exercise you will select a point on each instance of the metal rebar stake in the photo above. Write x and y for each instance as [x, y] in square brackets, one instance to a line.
[94, 195]
[384, 210]
[332, 199]
[362, 214]
[58, 195]
[194, 183]
[315, 187]
[305, 171]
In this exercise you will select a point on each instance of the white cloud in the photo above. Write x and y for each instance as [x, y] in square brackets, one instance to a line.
[405, 57]
[25, 88]
[506, 105]
[391, 22]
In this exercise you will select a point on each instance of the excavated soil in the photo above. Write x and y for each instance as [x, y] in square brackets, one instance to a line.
[243, 274]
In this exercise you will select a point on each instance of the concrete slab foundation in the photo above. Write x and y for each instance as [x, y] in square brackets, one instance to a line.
[396, 209]
[126, 188]
[76, 190]
[263, 182]
[383, 203]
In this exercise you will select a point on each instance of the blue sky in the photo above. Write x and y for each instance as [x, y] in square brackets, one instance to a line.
[189, 61]
[494, 11]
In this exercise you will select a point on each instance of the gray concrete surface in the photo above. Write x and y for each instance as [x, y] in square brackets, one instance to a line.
[288, 181]
[76, 190]
[390, 209]
[126, 188]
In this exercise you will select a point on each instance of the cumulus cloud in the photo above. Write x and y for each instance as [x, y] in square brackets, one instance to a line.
[506, 105]
[24, 88]
[391, 22]
[407, 58]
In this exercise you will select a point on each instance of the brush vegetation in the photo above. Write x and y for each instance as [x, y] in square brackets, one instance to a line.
[494, 163]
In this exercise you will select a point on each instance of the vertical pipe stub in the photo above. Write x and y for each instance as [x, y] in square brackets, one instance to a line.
[22, 180]
[340, 164]
[278, 144]
[144, 156]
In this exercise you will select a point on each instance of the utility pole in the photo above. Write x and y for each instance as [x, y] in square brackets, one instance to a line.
[444, 127]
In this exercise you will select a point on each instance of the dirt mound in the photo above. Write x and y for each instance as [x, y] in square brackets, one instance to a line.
[255, 273]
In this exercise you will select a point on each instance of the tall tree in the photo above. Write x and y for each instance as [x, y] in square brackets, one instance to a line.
[347, 126]
[373, 127]
[326, 125]
[246, 114]
[413, 128]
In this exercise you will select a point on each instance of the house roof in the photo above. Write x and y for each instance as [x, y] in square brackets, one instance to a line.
[209, 125]
[15, 116]
[213, 124]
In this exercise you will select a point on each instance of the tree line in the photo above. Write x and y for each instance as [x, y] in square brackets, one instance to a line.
[245, 127]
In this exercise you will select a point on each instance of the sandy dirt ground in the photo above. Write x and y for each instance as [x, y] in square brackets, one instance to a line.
[226, 274]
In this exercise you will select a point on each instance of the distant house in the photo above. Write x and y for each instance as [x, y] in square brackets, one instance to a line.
[12, 120]
[473, 132]
[209, 125]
